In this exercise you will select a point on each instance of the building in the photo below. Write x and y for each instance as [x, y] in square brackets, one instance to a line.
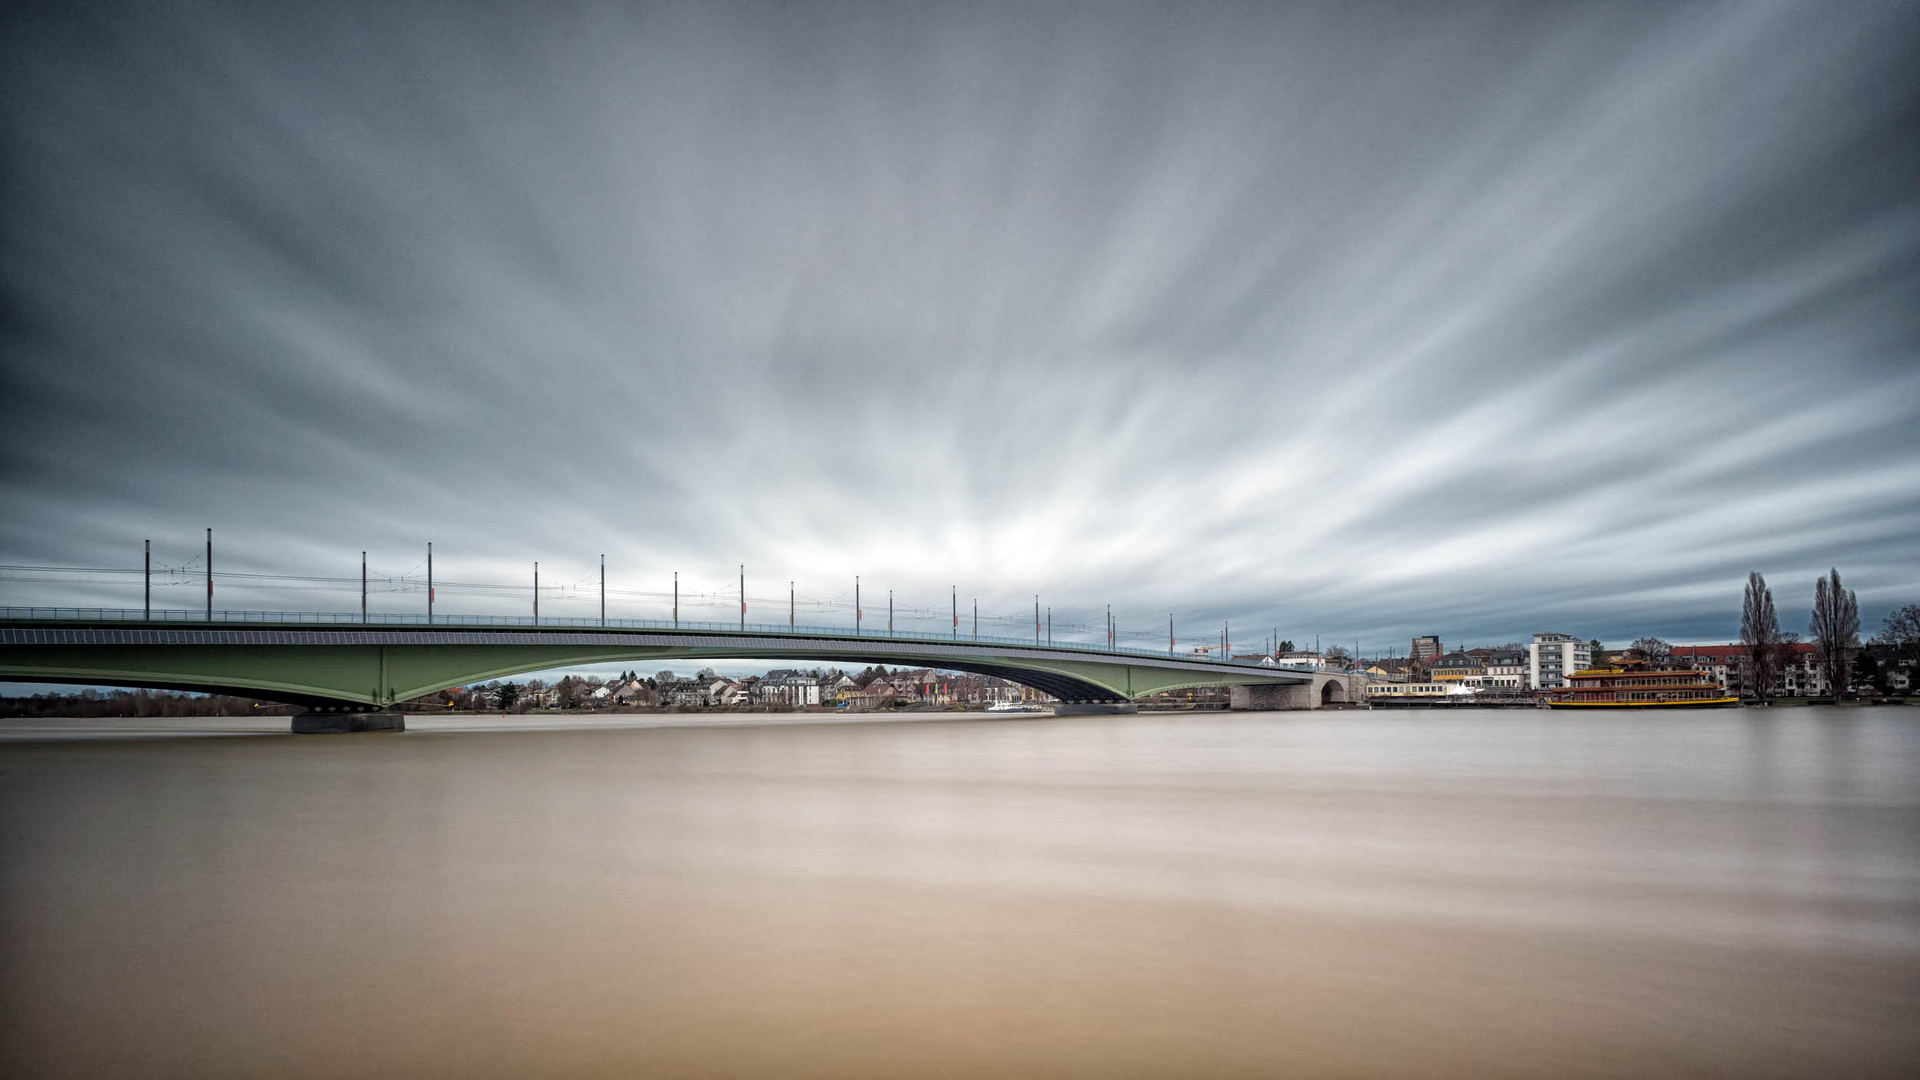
[1889, 666]
[1390, 670]
[1800, 676]
[879, 694]
[632, 692]
[786, 688]
[1552, 657]
[1426, 649]
[679, 691]
[1506, 669]
[995, 690]
[1456, 667]
[721, 691]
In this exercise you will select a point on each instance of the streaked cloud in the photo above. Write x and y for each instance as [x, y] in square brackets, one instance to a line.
[1474, 320]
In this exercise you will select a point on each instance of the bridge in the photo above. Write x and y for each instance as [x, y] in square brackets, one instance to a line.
[353, 663]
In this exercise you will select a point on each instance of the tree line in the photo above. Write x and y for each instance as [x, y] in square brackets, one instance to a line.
[138, 703]
[1833, 629]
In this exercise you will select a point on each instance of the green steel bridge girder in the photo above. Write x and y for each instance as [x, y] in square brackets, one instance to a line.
[380, 675]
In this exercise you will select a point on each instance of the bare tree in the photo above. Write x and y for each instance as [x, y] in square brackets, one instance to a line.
[1787, 653]
[1655, 650]
[1835, 629]
[1902, 631]
[1760, 633]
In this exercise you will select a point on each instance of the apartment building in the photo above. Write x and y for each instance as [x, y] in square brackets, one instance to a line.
[1552, 656]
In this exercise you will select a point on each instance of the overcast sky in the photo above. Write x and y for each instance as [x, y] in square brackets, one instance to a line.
[1356, 320]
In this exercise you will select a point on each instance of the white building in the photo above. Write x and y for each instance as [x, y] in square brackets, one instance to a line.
[1507, 670]
[787, 688]
[1552, 657]
[719, 691]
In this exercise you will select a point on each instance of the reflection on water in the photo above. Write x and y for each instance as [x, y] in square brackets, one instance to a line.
[1354, 894]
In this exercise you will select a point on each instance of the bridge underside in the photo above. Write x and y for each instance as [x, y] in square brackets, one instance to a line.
[378, 668]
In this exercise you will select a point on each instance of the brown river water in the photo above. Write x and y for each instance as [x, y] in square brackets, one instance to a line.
[1354, 894]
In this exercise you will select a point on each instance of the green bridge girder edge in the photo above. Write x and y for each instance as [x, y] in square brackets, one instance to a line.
[313, 672]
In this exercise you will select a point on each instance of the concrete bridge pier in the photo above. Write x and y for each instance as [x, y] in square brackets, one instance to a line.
[345, 721]
[1328, 689]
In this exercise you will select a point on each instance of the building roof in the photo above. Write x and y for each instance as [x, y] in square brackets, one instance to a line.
[1723, 653]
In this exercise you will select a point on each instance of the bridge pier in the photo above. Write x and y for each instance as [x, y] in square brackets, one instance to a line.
[1268, 698]
[1328, 689]
[344, 722]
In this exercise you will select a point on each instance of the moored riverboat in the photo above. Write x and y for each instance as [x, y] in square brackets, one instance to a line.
[1636, 685]
[1011, 706]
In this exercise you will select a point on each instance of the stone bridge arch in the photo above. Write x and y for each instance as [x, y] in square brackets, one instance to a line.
[1329, 689]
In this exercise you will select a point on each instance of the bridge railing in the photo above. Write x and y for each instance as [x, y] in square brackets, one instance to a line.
[456, 622]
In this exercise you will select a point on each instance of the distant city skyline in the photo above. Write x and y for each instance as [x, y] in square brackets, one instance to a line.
[1366, 323]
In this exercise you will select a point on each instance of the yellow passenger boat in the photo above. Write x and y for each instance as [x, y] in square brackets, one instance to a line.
[1637, 685]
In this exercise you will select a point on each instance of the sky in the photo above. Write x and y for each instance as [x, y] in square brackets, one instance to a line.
[1356, 321]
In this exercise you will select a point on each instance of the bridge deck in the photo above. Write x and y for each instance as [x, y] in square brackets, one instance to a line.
[326, 658]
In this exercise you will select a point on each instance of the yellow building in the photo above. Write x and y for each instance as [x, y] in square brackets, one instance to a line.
[1394, 670]
[1456, 666]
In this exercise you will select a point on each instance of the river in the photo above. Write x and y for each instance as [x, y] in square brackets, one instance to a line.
[1470, 893]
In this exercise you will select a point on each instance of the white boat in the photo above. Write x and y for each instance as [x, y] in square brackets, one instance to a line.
[1011, 706]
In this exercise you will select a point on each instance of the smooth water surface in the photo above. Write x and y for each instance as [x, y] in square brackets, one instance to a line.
[1514, 893]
